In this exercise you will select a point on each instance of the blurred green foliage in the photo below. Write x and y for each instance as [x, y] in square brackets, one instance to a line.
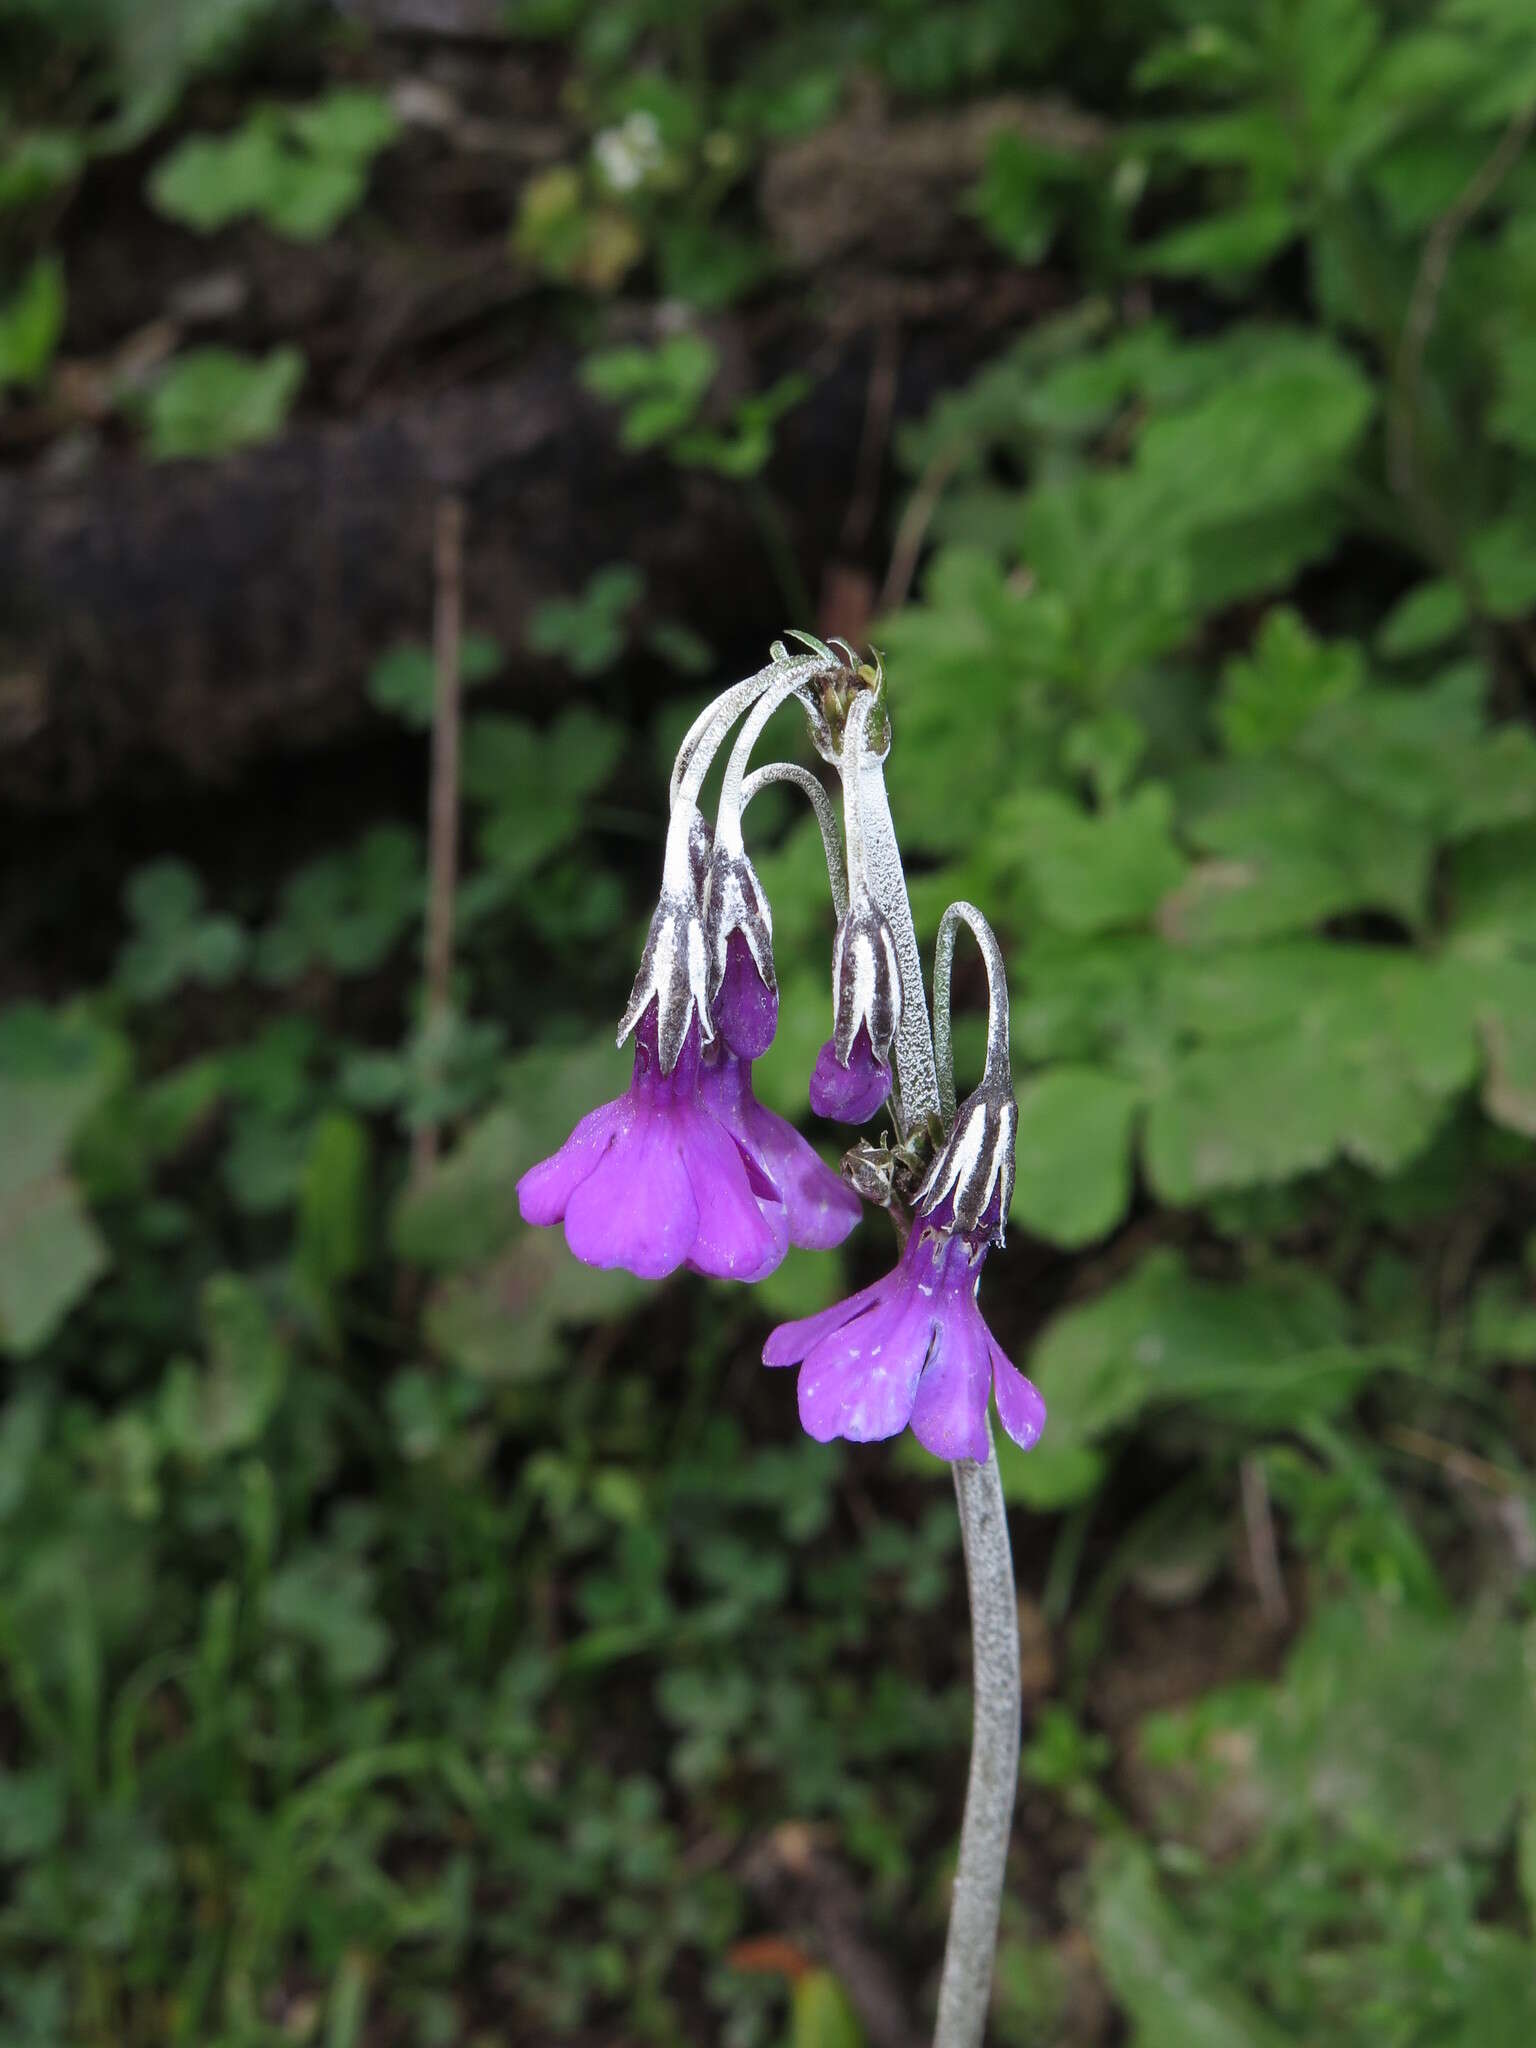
[402, 1628]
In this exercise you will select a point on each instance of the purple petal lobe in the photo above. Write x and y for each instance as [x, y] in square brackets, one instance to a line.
[860, 1382]
[949, 1416]
[820, 1207]
[790, 1342]
[637, 1208]
[734, 1239]
[544, 1190]
[746, 1010]
[1019, 1407]
[851, 1094]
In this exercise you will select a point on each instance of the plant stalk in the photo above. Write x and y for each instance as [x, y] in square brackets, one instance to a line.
[965, 1988]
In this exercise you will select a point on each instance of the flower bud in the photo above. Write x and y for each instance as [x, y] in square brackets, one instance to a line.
[969, 1186]
[852, 1075]
[672, 976]
[866, 982]
[738, 933]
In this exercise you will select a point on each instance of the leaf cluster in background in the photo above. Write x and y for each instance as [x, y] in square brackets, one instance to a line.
[337, 1509]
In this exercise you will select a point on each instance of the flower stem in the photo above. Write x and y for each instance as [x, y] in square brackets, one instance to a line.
[965, 1987]
[966, 1984]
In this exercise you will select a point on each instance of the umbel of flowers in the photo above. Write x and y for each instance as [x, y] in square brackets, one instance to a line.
[687, 1167]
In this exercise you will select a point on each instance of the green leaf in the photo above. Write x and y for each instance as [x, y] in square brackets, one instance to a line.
[820, 2015]
[503, 1321]
[1429, 615]
[53, 1073]
[1266, 700]
[403, 682]
[1073, 1154]
[347, 910]
[324, 1599]
[227, 1405]
[660, 389]
[334, 1199]
[1259, 1353]
[1286, 410]
[212, 401]
[1319, 1051]
[1399, 1727]
[1157, 1968]
[1229, 245]
[1293, 849]
[31, 321]
[350, 122]
[1022, 192]
[300, 169]
[209, 181]
[588, 633]
[36, 164]
[173, 942]
[1091, 872]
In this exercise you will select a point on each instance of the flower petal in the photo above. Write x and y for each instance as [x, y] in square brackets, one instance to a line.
[637, 1208]
[1019, 1407]
[790, 1342]
[733, 1238]
[745, 1010]
[544, 1190]
[860, 1381]
[851, 1094]
[949, 1416]
[822, 1207]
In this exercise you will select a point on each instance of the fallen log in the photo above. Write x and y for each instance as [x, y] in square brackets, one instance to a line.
[195, 616]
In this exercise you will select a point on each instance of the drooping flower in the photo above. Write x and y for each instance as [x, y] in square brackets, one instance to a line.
[815, 1207]
[738, 936]
[970, 1184]
[913, 1348]
[652, 1181]
[852, 1075]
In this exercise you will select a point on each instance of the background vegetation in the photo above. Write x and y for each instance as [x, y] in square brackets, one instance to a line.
[407, 1636]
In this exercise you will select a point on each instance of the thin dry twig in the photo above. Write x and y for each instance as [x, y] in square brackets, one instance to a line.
[878, 407]
[1424, 301]
[443, 828]
[1262, 1546]
[1453, 1460]
[913, 530]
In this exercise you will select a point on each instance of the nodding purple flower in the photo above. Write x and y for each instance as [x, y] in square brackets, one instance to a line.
[852, 1075]
[970, 1184]
[738, 937]
[817, 1208]
[914, 1349]
[652, 1181]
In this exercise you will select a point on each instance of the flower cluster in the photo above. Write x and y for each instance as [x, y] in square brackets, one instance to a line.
[688, 1168]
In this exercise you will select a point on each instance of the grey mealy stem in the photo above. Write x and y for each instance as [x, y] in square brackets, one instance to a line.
[872, 833]
[997, 1000]
[826, 818]
[965, 1986]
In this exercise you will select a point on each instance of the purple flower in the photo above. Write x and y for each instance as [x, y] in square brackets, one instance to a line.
[849, 1091]
[852, 1075]
[652, 1182]
[745, 1008]
[738, 936]
[911, 1349]
[814, 1206]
